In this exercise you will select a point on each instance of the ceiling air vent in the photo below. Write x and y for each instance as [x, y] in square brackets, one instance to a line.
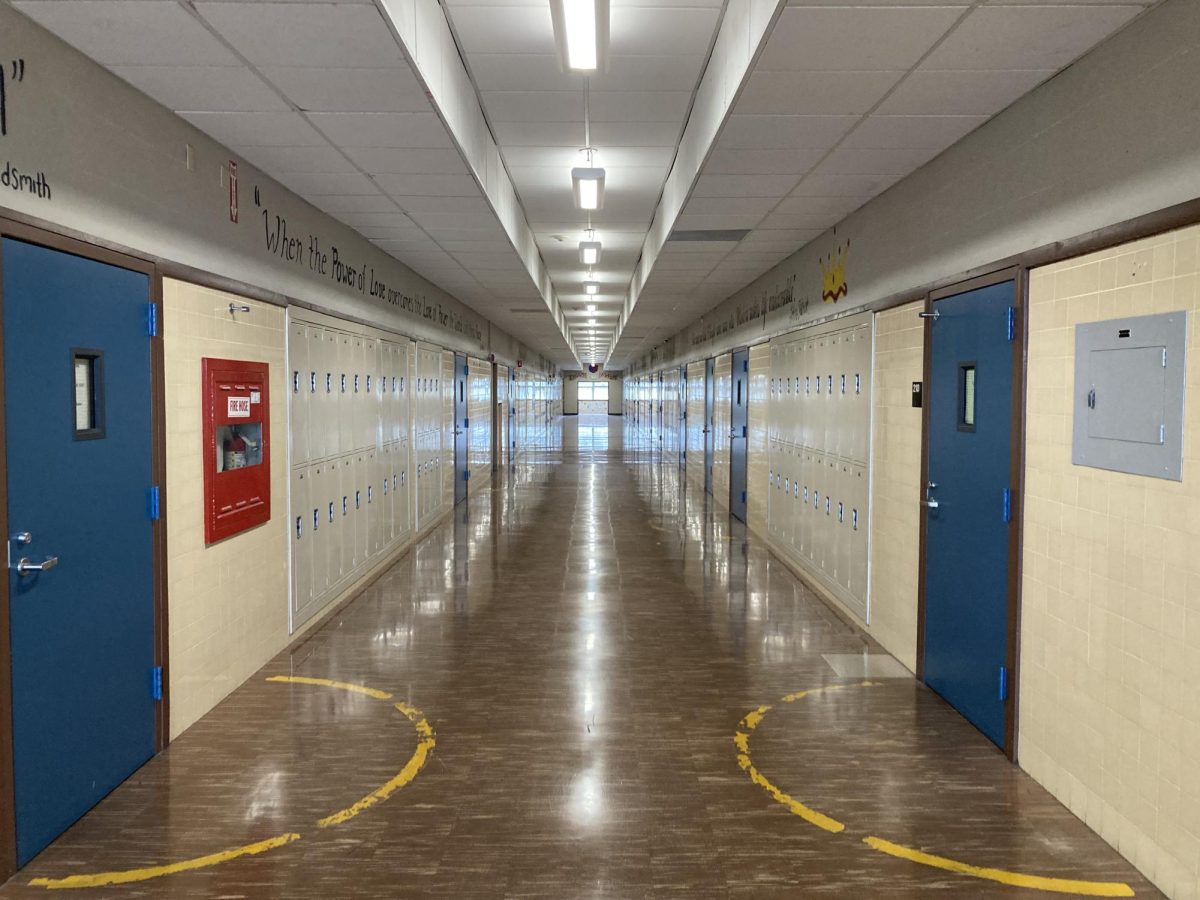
[714, 235]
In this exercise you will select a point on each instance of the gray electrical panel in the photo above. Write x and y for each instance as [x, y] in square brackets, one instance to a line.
[1129, 380]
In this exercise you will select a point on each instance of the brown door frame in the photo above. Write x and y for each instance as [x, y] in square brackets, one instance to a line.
[162, 719]
[1019, 275]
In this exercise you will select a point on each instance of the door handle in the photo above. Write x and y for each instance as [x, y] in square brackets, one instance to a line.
[24, 566]
[929, 502]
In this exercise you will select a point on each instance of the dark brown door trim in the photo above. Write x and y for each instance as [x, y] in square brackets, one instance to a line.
[162, 724]
[1019, 275]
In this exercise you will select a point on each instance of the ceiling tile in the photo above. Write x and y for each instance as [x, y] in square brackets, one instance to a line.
[131, 32]
[912, 132]
[309, 184]
[255, 129]
[662, 31]
[341, 207]
[350, 90]
[745, 161]
[636, 134]
[277, 34]
[982, 92]
[533, 106]
[814, 93]
[717, 185]
[494, 29]
[204, 88]
[428, 185]
[854, 38]
[408, 161]
[1028, 37]
[740, 206]
[640, 106]
[283, 160]
[784, 132]
[875, 161]
[390, 130]
[540, 134]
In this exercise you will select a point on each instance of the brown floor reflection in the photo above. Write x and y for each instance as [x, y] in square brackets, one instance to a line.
[584, 638]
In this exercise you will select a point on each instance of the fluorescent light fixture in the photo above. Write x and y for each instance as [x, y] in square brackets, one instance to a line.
[591, 307]
[591, 321]
[591, 287]
[589, 252]
[581, 34]
[588, 184]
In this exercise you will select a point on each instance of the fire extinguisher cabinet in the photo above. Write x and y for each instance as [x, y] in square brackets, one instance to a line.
[237, 443]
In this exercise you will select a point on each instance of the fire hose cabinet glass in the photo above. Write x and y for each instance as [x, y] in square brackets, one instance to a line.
[237, 441]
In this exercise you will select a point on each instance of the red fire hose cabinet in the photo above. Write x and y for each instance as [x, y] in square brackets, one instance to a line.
[237, 442]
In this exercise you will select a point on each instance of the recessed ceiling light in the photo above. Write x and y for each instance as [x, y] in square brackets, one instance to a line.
[591, 307]
[591, 287]
[588, 184]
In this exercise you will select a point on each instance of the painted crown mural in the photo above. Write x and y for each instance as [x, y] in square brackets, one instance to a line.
[833, 274]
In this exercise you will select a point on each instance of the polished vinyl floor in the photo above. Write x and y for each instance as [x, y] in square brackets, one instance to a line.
[583, 642]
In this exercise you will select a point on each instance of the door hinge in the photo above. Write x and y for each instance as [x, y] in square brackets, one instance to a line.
[745, 365]
[152, 319]
[743, 496]
[1003, 683]
[1012, 322]
[1007, 516]
[156, 690]
[467, 475]
[152, 504]
[466, 423]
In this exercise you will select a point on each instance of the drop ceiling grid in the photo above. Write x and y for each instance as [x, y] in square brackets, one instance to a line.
[847, 99]
[638, 109]
[351, 130]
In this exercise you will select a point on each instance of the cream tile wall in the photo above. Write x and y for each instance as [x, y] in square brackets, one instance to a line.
[757, 462]
[896, 475]
[228, 603]
[1110, 630]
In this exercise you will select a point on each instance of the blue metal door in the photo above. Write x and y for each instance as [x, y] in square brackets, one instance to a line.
[969, 503]
[462, 463]
[739, 421]
[709, 403]
[77, 398]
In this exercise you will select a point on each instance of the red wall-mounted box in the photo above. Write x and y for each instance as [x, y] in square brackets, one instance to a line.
[237, 443]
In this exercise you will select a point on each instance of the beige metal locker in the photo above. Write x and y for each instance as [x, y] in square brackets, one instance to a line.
[329, 351]
[373, 498]
[298, 392]
[302, 540]
[323, 487]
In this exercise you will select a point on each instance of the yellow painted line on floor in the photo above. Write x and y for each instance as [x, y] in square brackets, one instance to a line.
[1003, 876]
[411, 769]
[415, 763]
[128, 876]
[325, 682]
[741, 740]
